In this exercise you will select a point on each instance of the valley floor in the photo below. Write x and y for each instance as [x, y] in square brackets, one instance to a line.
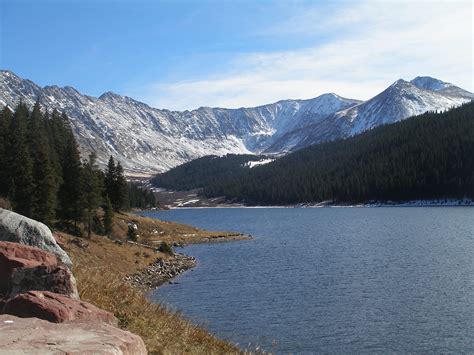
[192, 199]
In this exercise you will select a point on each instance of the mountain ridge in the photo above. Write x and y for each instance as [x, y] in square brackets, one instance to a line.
[400, 100]
[147, 140]
[421, 158]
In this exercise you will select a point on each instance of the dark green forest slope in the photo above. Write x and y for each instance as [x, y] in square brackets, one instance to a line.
[423, 157]
[202, 172]
[44, 177]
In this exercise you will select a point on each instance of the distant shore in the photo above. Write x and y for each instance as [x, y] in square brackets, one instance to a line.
[192, 199]
[410, 203]
[330, 204]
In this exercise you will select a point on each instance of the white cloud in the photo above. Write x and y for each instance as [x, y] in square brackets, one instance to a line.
[371, 44]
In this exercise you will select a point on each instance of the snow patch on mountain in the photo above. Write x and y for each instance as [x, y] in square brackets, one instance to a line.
[399, 101]
[426, 82]
[253, 163]
[147, 140]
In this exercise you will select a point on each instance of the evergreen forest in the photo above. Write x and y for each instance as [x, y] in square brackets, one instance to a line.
[43, 176]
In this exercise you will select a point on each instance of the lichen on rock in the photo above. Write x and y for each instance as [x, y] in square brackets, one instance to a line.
[20, 229]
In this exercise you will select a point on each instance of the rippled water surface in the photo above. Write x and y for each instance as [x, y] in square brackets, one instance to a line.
[333, 279]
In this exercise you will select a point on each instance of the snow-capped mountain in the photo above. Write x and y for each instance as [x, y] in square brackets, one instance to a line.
[148, 140]
[428, 83]
[400, 100]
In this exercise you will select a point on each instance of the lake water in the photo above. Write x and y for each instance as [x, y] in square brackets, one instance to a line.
[332, 280]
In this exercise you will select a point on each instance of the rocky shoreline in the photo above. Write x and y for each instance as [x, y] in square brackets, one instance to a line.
[161, 271]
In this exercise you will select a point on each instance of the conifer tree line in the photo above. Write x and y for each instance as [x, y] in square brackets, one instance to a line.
[430, 156]
[44, 178]
[205, 171]
[140, 197]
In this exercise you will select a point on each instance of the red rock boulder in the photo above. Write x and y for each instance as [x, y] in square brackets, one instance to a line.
[14, 255]
[57, 279]
[36, 336]
[24, 268]
[55, 308]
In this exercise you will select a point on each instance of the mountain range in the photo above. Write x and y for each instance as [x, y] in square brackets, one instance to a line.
[421, 158]
[147, 140]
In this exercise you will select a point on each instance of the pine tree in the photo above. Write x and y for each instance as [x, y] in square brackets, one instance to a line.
[70, 193]
[45, 192]
[109, 180]
[45, 189]
[116, 185]
[91, 191]
[121, 198]
[108, 216]
[54, 153]
[20, 187]
[5, 121]
[59, 134]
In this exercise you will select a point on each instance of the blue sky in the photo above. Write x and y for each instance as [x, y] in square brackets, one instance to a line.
[185, 54]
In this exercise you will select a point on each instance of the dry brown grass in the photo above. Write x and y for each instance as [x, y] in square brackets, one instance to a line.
[162, 330]
[154, 231]
[100, 265]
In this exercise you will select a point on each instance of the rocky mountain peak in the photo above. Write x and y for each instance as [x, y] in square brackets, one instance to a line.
[148, 140]
[110, 96]
[429, 83]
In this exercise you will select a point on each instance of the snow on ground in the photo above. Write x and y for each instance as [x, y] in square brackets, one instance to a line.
[180, 204]
[411, 203]
[421, 203]
[252, 164]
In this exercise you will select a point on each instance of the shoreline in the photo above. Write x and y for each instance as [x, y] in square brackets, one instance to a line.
[328, 204]
[115, 274]
[172, 199]
[164, 270]
[161, 272]
[101, 269]
[321, 205]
